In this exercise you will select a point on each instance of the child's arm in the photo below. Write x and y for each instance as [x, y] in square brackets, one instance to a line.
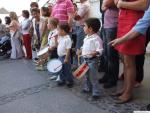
[95, 53]
[56, 41]
[79, 52]
[68, 45]
[98, 46]
[67, 56]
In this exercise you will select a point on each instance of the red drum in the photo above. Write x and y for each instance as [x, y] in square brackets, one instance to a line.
[83, 68]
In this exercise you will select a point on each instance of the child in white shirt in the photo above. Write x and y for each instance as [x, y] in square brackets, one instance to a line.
[92, 47]
[52, 39]
[63, 51]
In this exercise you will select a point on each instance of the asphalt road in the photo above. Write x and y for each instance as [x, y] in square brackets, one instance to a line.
[25, 90]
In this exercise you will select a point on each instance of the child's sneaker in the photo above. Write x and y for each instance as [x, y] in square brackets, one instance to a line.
[35, 60]
[40, 68]
[58, 78]
[95, 97]
[53, 77]
[70, 84]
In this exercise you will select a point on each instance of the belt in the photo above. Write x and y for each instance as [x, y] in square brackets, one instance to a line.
[90, 58]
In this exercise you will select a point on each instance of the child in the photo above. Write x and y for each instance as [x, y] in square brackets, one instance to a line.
[53, 34]
[92, 46]
[63, 51]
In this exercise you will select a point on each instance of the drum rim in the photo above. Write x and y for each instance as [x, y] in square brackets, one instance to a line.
[46, 50]
[53, 60]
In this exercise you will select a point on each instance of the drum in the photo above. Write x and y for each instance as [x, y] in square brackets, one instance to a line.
[54, 66]
[43, 51]
[81, 71]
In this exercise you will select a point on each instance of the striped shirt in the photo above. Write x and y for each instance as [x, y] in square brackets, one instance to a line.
[62, 9]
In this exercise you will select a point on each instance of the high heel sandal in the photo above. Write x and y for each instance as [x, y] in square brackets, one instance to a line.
[116, 94]
[122, 101]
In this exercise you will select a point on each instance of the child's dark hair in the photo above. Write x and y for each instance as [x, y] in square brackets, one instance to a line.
[46, 10]
[7, 20]
[65, 27]
[26, 13]
[94, 23]
[36, 10]
[34, 4]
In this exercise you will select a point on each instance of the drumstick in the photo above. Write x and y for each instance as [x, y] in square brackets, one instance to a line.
[79, 60]
[57, 67]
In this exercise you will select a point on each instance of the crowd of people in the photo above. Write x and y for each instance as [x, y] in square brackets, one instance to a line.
[73, 36]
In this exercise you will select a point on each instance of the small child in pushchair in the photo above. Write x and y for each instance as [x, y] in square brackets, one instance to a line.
[5, 45]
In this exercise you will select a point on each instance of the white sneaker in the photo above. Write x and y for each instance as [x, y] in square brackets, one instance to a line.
[53, 78]
[58, 78]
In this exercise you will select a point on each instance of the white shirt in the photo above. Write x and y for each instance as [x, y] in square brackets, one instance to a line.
[25, 26]
[64, 43]
[51, 38]
[41, 26]
[91, 44]
[83, 12]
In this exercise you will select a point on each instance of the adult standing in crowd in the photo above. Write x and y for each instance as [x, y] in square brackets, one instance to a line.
[130, 12]
[32, 6]
[7, 23]
[139, 59]
[63, 10]
[110, 32]
[25, 27]
[14, 26]
[80, 15]
[50, 6]
[45, 14]
[38, 26]
[141, 27]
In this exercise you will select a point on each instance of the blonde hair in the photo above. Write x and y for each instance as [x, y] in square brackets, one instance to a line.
[53, 21]
[13, 16]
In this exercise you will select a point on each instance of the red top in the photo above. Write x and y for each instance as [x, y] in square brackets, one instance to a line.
[126, 20]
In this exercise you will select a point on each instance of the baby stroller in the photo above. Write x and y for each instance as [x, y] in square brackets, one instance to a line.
[5, 46]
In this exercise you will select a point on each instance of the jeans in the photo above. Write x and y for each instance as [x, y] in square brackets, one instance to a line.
[112, 58]
[80, 36]
[91, 78]
[66, 74]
